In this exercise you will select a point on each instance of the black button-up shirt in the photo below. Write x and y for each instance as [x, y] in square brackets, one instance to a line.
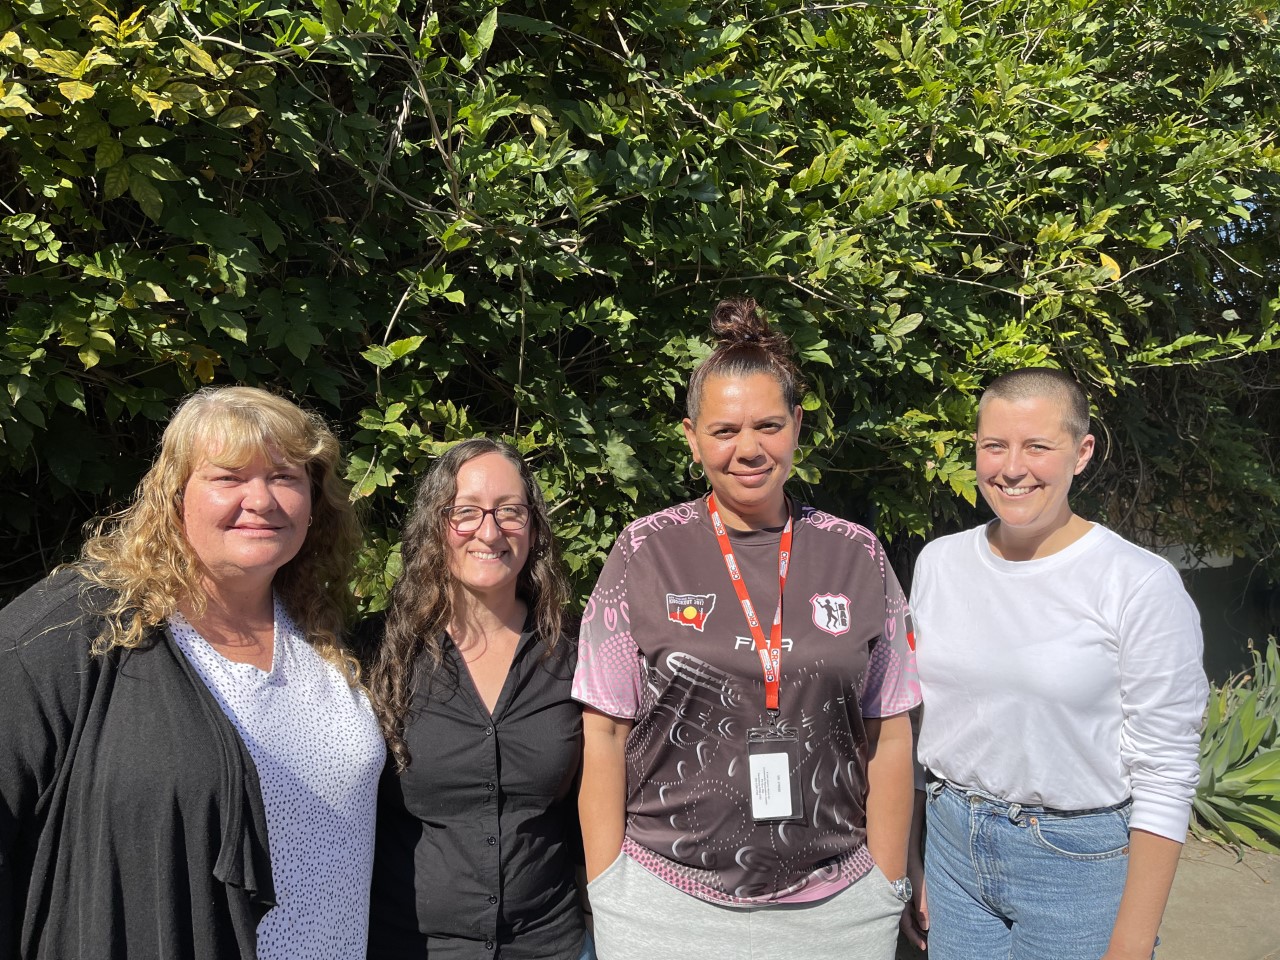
[478, 840]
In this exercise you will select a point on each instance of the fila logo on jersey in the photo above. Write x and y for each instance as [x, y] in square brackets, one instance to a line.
[740, 642]
[690, 609]
[831, 612]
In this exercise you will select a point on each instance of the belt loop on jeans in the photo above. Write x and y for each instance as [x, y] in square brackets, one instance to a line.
[1015, 809]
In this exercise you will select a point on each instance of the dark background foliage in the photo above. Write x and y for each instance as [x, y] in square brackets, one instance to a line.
[430, 220]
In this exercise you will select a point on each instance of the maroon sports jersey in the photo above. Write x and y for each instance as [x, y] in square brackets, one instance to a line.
[665, 643]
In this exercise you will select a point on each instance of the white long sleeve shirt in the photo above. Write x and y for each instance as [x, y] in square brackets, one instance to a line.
[1073, 681]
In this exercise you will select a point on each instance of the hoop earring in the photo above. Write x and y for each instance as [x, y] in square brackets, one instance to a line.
[700, 475]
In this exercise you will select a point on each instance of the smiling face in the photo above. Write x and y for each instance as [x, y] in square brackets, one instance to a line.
[745, 438]
[488, 560]
[246, 522]
[1026, 460]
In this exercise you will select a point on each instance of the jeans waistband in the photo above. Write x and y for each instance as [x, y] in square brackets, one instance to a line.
[1012, 809]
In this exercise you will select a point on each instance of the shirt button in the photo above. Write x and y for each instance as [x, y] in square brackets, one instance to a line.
[488, 944]
[491, 841]
[492, 898]
[488, 731]
[490, 785]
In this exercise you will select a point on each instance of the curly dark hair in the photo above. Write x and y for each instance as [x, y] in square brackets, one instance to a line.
[411, 650]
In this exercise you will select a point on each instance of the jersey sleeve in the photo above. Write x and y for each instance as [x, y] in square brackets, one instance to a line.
[1162, 693]
[609, 674]
[892, 685]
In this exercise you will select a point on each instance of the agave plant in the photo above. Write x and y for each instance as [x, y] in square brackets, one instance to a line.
[1238, 800]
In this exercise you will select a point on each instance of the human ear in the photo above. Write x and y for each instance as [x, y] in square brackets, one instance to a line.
[691, 436]
[1084, 454]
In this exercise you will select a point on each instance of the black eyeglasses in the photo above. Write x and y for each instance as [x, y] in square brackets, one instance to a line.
[509, 517]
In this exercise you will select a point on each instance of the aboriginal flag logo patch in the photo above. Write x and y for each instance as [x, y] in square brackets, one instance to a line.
[690, 609]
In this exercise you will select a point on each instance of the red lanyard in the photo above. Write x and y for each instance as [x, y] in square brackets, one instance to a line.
[769, 651]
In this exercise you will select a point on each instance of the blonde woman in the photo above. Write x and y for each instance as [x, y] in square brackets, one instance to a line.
[187, 769]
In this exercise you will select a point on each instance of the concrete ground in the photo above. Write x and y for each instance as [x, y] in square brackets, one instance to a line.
[1219, 909]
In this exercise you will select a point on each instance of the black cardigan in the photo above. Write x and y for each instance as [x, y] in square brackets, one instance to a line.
[131, 822]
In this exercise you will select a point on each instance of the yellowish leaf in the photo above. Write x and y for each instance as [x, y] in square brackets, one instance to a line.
[61, 63]
[236, 116]
[1109, 265]
[76, 90]
[182, 92]
[14, 105]
[201, 58]
[204, 367]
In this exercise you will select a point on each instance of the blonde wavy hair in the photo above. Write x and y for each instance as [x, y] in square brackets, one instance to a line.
[141, 554]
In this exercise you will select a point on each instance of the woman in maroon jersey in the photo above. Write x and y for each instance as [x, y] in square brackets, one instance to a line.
[747, 761]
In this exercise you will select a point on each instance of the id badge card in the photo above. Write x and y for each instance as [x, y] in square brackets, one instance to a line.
[772, 755]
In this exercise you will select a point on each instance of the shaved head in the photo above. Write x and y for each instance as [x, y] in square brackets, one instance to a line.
[1033, 383]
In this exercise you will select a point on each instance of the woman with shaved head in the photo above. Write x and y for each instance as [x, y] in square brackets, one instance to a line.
[1063, 692]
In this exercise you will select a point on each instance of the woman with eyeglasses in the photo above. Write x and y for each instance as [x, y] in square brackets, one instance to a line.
[477, 841]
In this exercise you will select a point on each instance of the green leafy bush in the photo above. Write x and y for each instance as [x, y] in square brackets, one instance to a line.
[1238, 800]
[513, 217]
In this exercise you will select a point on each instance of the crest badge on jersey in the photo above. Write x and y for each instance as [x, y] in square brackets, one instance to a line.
[831, 612]
[690, 609]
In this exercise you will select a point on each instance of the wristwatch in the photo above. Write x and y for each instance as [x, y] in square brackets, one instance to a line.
[902, 888]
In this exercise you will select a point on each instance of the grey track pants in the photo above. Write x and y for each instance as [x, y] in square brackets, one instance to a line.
[639, 917]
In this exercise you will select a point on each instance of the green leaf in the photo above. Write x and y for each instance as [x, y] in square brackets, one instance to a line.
[331, 15]
[157, 168]
[300, 338]
[255, 77]
[904, 325]
[116, 182]
[379, 356]
[69, 392]
[484, 36]
[148, 292]
[147, 196]
[148, 136]
[402, 348]
[108, 154]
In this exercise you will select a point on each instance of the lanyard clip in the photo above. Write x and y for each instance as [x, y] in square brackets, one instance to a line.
[773, 719]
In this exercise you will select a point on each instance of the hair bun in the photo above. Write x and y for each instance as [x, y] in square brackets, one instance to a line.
[747, 346]
[740, 320]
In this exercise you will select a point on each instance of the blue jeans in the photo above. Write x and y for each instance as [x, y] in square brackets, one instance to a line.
[1007, 882]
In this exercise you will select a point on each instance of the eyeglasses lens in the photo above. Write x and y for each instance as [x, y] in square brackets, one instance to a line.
[509, 517]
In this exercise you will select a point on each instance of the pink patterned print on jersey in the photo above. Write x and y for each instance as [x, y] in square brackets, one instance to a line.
[694, 694]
